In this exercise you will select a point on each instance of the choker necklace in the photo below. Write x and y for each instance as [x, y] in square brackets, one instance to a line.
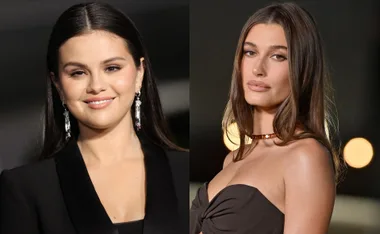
[263, 136]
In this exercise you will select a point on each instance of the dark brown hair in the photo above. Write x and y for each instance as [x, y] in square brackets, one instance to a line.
[77, 20]
[310, 103]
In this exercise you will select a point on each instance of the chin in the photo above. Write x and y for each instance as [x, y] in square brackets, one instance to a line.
[256, 100]
[99, 125]
[101, 122]
[261, 103]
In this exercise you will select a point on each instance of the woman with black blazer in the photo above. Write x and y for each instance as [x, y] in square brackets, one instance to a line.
[108, 164]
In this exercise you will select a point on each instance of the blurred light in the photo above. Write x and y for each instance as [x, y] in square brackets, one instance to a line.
[232, 141]
[358, 152]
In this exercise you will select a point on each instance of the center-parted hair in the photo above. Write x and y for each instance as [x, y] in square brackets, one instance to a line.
[81, 19]
[310, 104]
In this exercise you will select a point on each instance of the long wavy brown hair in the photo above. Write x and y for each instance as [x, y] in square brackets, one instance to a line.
[310, 103]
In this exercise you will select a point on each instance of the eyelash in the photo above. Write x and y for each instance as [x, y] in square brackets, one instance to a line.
[108, 69]
[114, 68]
[250, 53]
[75, 73]
[280, 57]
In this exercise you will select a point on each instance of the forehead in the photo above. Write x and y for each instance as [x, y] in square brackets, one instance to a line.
[93, 46]
[266, 35]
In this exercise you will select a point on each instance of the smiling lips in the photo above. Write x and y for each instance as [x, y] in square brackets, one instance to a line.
[99, 103]
[257, 86]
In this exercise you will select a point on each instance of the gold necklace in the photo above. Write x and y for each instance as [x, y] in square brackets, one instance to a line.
[263, 136]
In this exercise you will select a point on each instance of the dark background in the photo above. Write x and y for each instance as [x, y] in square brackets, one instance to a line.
[25, 27]
[350, 30]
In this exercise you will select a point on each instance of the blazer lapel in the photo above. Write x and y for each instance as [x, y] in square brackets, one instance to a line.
[84, 207]
[161, 212]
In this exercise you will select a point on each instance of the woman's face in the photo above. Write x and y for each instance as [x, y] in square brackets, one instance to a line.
[98, 79]
[264, 67]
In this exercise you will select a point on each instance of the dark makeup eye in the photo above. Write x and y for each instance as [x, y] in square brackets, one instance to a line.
[249, 53]
[77, 73]
[112, 68]
[279, 57]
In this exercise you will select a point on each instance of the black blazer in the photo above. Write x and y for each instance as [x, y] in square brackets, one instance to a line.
[56, 196]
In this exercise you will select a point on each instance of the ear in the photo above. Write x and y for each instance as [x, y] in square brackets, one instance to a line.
[140, 75]
[57, 85]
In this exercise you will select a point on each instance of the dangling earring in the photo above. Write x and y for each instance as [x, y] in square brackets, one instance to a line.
[138, 111]
[67, 122]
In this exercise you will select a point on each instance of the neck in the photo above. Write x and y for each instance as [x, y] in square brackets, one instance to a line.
[263, 121]
[109, 145]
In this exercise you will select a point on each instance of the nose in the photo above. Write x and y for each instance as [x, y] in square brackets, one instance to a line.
[96, 84]
[259, 68]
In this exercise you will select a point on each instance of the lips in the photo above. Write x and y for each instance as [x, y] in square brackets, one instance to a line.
[98, 100]
[258, 83]
[257, 86]
[99, 103]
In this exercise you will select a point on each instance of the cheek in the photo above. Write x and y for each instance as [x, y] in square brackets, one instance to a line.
[282, 82]
[72, 89]
[245, 69]
[124, 84]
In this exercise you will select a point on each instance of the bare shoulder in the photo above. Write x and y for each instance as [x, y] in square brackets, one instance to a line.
[229, 158]
[309, 182]
[232, 154]
[309, 157]
[308, 151]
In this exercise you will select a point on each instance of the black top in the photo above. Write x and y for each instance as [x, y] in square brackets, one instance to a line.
[57, 196]
[133, 227]
[238, 209]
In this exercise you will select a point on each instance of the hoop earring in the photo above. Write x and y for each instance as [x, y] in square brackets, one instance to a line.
[67, 122]
[138, 111]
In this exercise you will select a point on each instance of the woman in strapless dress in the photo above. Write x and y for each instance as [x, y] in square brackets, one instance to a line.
[283, 177]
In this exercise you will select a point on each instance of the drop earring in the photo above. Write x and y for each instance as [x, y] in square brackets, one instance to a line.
[138, 111]
[67, 122]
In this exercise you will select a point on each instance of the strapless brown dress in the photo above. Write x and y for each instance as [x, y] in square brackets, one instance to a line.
[238, 209]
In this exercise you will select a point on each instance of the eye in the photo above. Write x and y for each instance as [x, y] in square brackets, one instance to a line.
[77, 73]
[249, 53]
[112, 68]
[279, 57]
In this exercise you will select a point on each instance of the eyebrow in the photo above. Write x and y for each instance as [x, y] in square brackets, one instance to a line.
[77, 64]
[271, 47]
